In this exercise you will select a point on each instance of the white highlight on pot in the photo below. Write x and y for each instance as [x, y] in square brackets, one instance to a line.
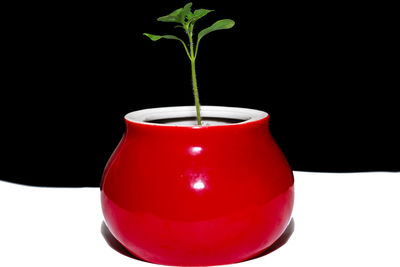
[198, 185]
[198, 181]
[195, 150]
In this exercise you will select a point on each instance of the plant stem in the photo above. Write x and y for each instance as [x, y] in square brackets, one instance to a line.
[195, 91]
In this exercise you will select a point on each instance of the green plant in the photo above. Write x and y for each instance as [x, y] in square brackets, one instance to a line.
[186, 20]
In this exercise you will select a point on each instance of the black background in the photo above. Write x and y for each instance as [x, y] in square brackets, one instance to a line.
[326, 72]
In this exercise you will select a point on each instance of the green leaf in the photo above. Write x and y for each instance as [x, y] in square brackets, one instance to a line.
[185, 12]
[172, 17]
[177, 16]
[199, 13]
[155, 37]
[189, 15]
[219, 25]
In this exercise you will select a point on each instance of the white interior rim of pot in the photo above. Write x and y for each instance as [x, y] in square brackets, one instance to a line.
[146, 116]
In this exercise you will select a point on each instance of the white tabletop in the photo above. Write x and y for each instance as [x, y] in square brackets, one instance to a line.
[341, 219]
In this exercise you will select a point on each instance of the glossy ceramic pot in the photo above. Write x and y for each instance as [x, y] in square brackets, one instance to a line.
[178, 194]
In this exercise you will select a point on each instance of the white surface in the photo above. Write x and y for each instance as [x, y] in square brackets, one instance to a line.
[145, 115]
[350, 219]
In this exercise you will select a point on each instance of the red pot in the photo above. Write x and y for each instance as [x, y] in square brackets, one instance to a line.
[179, 194]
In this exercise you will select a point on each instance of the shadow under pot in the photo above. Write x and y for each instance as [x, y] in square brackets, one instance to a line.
[175, 193]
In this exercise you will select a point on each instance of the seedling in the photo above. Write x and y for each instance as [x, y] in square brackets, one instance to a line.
[186, 20]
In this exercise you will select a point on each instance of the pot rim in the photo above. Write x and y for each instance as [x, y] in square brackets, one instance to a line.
[145, 116]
